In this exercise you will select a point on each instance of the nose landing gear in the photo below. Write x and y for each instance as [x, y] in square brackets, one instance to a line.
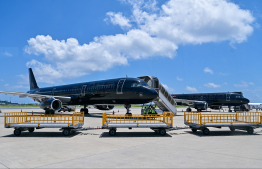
[85, 110]
[128, 106]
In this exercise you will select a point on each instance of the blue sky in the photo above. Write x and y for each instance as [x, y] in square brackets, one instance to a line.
[191, 46]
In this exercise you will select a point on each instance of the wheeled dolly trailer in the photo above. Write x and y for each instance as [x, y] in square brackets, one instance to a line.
[157, 122]
[240, 120]
[23, 121]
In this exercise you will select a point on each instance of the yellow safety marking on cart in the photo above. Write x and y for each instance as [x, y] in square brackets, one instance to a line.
[239, 117]
[166, 118]
[25, 118]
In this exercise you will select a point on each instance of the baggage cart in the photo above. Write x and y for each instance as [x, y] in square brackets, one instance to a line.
[23, 121]
[240, 120]
[157, 122]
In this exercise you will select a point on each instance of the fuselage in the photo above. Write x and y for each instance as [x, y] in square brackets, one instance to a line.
[216, 99]
[113, 91]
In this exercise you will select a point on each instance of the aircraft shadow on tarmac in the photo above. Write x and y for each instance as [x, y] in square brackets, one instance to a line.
[43, 134]
[223, 133]
[94, 115]
[133, 134]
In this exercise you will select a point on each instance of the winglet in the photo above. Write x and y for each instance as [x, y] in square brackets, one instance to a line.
[32, 81]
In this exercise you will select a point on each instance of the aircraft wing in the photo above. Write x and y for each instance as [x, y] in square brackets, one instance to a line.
[37, 97]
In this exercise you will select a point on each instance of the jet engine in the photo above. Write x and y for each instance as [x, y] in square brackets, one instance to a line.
[104, 107]
[200, 105]
[51, 104]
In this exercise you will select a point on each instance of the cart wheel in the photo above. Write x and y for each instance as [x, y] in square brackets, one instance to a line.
[66, 132]
[17, 132]
[232, 128]
[194, 130]
[250, 130]
[112, 132]
[31, 130]
[162, 132]
[206, 131]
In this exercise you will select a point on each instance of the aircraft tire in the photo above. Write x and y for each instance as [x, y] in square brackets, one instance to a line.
[112, 132]
[162, 132]
[31, 130]
[17, 132]
[47, 111]
[84, 110]
[206, 131]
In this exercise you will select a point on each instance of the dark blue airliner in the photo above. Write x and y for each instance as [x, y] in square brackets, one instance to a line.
[103, 94]
[201, 101]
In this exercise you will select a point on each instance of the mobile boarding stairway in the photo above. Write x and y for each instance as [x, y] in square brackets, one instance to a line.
[165, 101]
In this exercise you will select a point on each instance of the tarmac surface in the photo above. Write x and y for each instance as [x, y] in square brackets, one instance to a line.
[136, 148]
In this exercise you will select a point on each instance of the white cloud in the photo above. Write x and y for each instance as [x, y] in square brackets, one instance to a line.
[168, 88]
[179, 79]
[197, 21]
[154, 32]
[45, 72]
[191, 89]
[244, 84]
[223, 74]
[211, 85]
[8, 54]
[118, 19]
[69, 59]
[208, 70]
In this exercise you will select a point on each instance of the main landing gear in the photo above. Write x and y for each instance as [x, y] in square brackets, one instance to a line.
[229, 109]
[85, 110]
[128, 106]
[49, 111]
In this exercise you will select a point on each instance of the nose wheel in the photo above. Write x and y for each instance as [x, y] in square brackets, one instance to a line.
[128, 106]
[85, 110]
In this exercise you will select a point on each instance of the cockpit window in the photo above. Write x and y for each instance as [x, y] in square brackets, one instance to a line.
[138, 84]
[144, 83]
[239, 96]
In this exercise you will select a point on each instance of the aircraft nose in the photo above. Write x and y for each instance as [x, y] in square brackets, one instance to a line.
[246, 101]
[153, 93]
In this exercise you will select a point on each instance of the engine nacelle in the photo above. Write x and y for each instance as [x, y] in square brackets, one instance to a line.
[52, 104]
[200, 105]
[104, 107]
